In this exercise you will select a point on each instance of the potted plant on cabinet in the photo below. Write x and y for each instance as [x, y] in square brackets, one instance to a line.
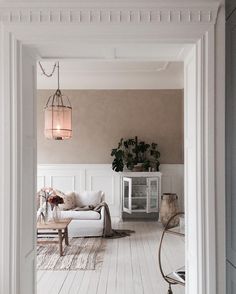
[135, 155]
[155, 154]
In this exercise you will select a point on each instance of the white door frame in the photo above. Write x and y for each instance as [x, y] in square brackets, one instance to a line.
[23, 25]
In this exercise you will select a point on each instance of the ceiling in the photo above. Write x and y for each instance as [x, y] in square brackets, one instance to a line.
[162, 52]
[97, 74]
[103, 66]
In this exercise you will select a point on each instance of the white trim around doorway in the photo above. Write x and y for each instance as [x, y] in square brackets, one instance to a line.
[21, 28]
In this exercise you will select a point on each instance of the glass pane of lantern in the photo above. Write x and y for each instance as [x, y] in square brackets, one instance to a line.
[58, 120]
[48, 122]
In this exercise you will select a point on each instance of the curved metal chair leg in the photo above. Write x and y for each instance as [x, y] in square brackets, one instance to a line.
[170, 290]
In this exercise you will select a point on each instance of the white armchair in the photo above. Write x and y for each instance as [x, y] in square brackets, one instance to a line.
[86, 223]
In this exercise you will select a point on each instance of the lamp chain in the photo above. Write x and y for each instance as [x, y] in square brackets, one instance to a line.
[56, 64]
[53, 70]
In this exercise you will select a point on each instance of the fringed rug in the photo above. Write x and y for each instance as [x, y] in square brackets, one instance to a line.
[81, 254]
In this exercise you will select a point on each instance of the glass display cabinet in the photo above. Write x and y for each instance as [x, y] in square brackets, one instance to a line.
[141, 192]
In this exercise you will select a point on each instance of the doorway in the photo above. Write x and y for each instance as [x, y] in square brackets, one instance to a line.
[124, 98]
[18, 79]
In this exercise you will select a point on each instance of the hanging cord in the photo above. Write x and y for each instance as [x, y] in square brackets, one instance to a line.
[53, 70]
[58, 76]
[57, 95]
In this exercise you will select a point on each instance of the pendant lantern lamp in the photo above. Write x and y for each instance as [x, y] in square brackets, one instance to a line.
[58, 115]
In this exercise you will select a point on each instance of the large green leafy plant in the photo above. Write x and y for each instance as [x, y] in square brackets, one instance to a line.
[132, 151]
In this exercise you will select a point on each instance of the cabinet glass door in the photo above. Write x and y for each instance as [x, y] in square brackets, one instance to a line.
[139, 194]
[127, 192]
[153, 195]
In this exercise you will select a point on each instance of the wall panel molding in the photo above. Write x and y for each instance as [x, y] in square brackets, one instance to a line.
[108, 14]
[81, 177]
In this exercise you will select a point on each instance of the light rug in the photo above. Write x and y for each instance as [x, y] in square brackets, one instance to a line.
[81, 254]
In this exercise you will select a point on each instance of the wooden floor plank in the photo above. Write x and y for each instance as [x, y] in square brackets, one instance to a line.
[68, 282]
[103, 280]
[85, 282]
[129, 284]
[120, 275]
[147, 286]
[93, 286]
[40, 275]
[112, 276]
[136, 268]
[46, 282]
[59, 279]
[77, 281]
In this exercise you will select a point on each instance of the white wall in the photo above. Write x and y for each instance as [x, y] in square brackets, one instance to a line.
[81, 177]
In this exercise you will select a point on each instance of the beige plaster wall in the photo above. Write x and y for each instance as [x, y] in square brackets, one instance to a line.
[102, 117]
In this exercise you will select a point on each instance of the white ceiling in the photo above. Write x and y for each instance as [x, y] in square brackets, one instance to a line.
[103, 66]
[94, 74]
[163, 52]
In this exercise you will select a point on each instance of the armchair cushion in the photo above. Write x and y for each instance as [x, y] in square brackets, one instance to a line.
[69, 201]
[89, 198]
[81, 215]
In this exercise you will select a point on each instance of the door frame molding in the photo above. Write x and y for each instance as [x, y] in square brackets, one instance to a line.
[196, 23]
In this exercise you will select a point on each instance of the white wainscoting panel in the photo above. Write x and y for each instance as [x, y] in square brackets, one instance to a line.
[173, 181]
[81, 177]
[108, 181]
[64, 183]
[61, 176]
[40, 182]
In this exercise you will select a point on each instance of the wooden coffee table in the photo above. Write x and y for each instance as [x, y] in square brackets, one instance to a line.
[59, 228]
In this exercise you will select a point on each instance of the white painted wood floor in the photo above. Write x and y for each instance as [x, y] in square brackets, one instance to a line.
[129, 267]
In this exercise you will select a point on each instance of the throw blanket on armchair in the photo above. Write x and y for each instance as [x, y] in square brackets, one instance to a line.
[108, 232]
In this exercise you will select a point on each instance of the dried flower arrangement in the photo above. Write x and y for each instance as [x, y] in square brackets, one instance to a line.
[55, 200]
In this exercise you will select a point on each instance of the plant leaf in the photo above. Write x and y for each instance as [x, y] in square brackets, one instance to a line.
[113, 152]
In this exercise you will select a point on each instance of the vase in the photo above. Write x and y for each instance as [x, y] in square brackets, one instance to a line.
[169, 207]
[45, 212]
[56, 213]
[138, 167]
